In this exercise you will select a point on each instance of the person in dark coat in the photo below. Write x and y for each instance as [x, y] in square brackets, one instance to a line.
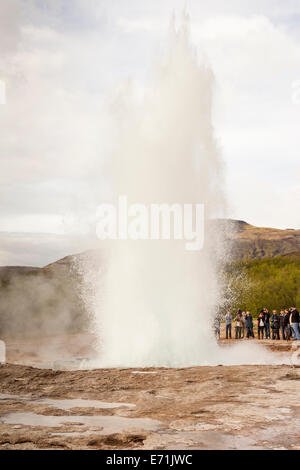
[261, 325]
[267, 323]
[294, 322]
[249, 325]
[275, 325]
[281, 324]
[287, 326]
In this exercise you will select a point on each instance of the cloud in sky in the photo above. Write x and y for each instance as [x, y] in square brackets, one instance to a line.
[61, 64]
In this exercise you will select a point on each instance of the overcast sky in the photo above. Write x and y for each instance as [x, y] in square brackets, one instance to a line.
[61, 61]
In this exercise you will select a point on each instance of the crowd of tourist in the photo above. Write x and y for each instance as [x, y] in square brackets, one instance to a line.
[274, 326]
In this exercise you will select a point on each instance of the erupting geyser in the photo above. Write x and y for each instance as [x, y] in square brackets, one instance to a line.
[159, 299]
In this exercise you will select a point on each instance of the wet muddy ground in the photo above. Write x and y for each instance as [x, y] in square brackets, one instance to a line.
[232, 407]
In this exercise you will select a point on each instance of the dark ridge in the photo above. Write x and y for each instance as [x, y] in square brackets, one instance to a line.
[294, 254]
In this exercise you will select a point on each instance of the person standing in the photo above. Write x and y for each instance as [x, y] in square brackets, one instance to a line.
[287, 326]
[267, 322]
[261, 325]
[217, 326]
[275, 325]
[228, 320]
[249, 325]
[243, 320]
[238, 326]
[281, 324]
[294, 322]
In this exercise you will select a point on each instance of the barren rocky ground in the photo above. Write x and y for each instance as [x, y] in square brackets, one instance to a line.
[236, 407]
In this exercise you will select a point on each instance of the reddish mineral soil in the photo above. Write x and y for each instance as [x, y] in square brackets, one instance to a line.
[234, 407]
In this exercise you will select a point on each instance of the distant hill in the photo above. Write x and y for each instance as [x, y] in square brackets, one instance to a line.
[250, 242]
[47, 300]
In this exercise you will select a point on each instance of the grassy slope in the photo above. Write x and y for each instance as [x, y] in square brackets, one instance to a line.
[269, 282]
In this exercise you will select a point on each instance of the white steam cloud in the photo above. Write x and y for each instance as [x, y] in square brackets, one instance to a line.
[159, 299]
